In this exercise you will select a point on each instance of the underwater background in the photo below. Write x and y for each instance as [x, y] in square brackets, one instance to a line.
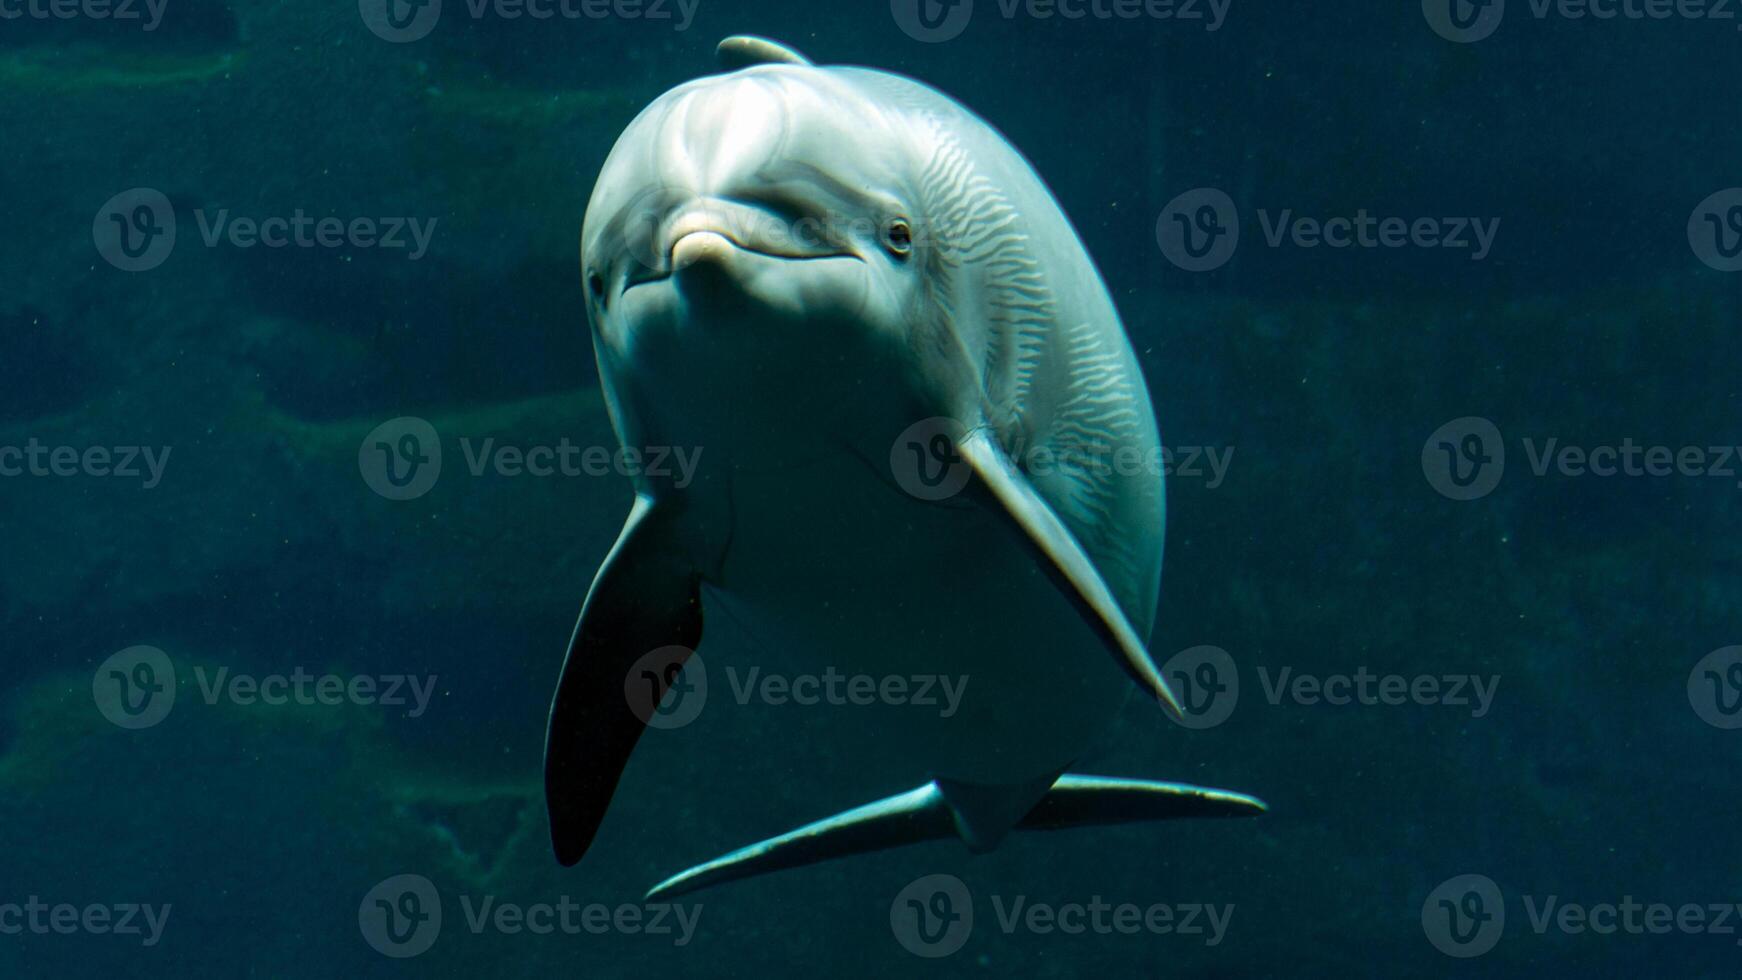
[1535, 773]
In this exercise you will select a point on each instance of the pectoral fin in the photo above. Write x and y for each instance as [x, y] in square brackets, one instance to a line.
[645, 597]
[1016, 499]
[934, 812]
[908, 818]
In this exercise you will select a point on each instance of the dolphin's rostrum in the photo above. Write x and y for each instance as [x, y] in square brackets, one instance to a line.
[797, 268]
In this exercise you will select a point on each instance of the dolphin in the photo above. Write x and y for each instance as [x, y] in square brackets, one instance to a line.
[927, 448]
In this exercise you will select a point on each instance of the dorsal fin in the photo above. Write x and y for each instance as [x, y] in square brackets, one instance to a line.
[745, 50]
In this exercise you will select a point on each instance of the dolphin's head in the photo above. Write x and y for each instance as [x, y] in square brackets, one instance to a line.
[757, 231]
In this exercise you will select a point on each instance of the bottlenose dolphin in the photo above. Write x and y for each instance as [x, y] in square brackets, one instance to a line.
[816, 274]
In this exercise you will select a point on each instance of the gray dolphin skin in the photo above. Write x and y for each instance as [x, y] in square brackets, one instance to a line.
[926, 449]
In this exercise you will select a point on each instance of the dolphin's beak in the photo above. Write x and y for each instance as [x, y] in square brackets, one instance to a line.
[700, 246]
[709, 235]
[751, 228]
[701, 262]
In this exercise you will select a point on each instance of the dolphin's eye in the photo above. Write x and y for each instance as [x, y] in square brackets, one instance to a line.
[899, 236]
[596, 286]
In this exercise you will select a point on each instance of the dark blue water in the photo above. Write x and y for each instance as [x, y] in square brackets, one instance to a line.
[1455, 498]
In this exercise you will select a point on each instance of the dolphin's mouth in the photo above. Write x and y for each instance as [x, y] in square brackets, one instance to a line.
[738, 229]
